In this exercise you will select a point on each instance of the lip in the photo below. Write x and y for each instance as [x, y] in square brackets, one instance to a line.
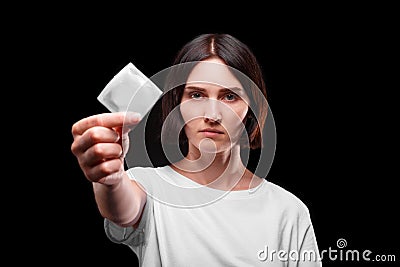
[211, 132]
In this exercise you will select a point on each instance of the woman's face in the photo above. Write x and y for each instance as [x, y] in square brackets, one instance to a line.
[213, 107]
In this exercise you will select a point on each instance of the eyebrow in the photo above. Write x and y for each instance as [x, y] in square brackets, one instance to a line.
[231, 89]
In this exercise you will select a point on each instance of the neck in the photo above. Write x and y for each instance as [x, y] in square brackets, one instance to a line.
[221, 170]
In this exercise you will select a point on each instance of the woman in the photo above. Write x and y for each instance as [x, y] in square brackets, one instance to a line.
[206, 207]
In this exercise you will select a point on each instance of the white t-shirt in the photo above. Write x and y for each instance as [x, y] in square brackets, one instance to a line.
[265, 226]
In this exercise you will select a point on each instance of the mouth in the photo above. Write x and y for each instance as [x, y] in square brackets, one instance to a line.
[211, 132]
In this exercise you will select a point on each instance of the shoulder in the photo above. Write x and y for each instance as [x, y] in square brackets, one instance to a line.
[135, 172]
[150, 178]
[286, 200]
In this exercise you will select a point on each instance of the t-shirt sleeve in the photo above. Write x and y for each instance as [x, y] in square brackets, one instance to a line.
[129, 235]
[309, 255]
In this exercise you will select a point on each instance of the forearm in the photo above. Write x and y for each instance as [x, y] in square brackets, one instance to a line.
[122, 202]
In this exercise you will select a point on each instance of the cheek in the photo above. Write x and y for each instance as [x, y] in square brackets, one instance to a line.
[189, 111]
[234, 117]
[190, 114]
[190, 128]
[242, 111]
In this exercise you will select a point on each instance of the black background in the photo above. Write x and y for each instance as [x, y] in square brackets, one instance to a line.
[327, 75]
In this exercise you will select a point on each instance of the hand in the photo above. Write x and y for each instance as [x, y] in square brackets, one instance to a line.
[100, 143]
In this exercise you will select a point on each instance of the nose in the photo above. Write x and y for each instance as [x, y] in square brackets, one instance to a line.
[212, 111]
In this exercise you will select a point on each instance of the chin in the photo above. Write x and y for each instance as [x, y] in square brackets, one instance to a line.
[213, 147]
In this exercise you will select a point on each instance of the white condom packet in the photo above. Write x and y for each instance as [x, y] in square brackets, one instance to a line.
[130, 90]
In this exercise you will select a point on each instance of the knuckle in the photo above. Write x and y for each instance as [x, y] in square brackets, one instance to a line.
[73, 148]
[109, 167]
[98, 149]
[94, 136]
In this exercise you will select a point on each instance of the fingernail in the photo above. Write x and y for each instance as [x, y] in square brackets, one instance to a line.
[133, 116]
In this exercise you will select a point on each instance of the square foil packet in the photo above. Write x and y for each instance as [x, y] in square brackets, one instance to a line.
[130, 90]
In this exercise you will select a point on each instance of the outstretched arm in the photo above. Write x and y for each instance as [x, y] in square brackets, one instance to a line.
[100, 145]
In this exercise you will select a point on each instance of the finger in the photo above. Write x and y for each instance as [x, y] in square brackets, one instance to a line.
[104, 169]
[100, 153]
[94, 136]
[109, 120]
[112, 178]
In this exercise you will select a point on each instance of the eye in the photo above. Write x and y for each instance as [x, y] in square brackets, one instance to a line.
[230, 97]
[195, 95]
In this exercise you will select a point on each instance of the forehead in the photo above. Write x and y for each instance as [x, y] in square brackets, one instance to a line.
[213, 71]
